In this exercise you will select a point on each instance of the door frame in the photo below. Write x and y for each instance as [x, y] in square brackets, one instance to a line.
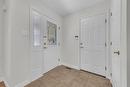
[107, 33]
[123, 50]
[31, 43]
[124, 43]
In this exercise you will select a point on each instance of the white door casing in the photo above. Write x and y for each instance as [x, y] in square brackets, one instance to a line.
[36, 38]
[93, 39]
[116, 41]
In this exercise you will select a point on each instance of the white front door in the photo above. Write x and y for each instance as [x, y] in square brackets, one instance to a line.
[93, 50]
[116, 41]
[51, 52]
[36, 37]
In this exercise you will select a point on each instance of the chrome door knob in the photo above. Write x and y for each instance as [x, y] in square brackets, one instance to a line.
[118, 52]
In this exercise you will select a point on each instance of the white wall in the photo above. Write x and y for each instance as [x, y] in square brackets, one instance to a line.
[17, 44]
[71, 26]
[1, 39]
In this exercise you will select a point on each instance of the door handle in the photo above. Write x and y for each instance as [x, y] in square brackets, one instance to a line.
[81, 47]
[118, 52]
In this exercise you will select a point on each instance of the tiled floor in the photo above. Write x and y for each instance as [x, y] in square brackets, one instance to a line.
[65, 77]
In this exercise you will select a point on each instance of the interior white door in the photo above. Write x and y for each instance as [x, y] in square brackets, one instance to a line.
[116, 42]
[36, 35]
[51, 59]
[93, 50]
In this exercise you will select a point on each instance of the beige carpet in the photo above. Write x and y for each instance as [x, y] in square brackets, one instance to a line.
[65, 77]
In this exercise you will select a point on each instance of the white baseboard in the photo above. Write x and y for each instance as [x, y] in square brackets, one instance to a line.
[36, 77]
[71, 66]
[22, 84]
[26, 82]
[113, 84]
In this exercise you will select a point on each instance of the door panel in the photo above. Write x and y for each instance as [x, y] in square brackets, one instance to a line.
[52, 51]
[93, 38]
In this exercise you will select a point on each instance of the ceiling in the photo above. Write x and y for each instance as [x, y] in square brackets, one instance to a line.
[64, 7]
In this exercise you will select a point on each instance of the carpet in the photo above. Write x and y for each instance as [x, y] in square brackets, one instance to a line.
[62, 76]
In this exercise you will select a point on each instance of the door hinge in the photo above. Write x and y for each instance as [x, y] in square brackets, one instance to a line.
[105, 20]
[59, 44]
[111, 43]
[111, 13]
[111, 74]
[59, 28]
[58, 59]
[105, 68]
[105, 44]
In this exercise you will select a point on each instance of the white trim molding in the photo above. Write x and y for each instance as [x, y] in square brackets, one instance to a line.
[123, 43]
[71, 66]
[22, 84]
[26, 82]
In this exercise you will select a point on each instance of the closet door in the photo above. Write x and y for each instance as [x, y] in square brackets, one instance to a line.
[93, 50]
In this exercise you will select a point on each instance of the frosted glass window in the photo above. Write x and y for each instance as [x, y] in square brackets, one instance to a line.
[36, 29]
[36, 37]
